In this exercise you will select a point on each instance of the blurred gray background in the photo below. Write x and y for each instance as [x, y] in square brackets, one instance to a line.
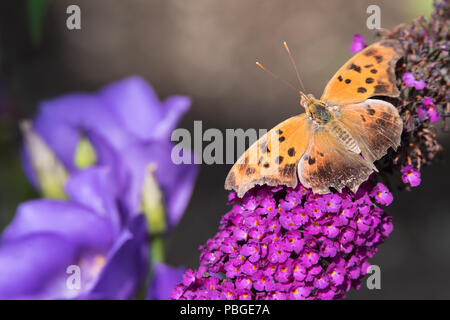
[206, 49]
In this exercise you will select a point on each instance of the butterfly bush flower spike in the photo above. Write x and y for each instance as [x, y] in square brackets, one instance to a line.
[425, 68]
[294, 253]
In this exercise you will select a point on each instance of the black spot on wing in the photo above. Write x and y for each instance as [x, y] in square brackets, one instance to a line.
[291, 152]
[379, 59]
[370, 52]
[354, 67]
[370, 111]
[362, 90]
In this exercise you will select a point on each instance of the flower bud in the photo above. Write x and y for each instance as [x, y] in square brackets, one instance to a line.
[50, 172]
[152, 202]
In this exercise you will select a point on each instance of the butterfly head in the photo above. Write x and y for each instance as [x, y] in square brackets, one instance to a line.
[316, 109]
[306, 100]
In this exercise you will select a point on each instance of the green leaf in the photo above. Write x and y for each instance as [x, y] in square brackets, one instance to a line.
[36, 10]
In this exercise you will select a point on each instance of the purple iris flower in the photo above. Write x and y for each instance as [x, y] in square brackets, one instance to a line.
[124, 132]
[128, 128]
[164, 280]
[56, 249]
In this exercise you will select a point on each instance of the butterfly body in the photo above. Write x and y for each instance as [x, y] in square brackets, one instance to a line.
[317, 111]
[335, 142]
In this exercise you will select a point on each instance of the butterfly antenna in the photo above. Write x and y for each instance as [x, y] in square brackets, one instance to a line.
[294, 65]
[273, 75]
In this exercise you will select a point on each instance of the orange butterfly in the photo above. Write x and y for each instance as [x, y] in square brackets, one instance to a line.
[335, 143]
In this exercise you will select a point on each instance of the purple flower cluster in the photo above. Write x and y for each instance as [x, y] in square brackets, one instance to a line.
[422, 75]
[429, 110]
[424, 95]
[284, 243]
[410, 81]
[358, 43]
[410, 176]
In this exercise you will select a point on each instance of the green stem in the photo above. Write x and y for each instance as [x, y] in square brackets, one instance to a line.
[157, 249]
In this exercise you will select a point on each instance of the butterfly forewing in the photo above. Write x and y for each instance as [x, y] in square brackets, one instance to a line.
[371, 72]
[273, 159]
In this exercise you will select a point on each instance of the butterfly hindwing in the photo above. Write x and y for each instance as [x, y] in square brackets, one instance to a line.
[374, 124]
[273, 159]
[327, 163]
[371, 72]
